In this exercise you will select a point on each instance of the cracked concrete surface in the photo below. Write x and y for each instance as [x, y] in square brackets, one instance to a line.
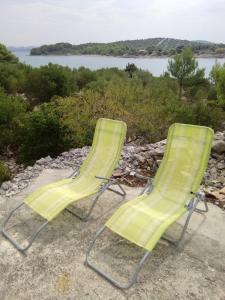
[53, 267]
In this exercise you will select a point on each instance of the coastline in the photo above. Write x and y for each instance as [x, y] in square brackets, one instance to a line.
[130, 56]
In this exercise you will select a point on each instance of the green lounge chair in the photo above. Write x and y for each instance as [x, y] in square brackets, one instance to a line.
[173, 192]
[92, 179]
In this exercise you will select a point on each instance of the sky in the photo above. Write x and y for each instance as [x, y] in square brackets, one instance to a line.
[38, 22]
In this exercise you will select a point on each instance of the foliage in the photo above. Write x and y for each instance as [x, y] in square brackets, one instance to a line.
[12, 114]
[151, 46]
[4, 172]
[43, 135]
[13, 77]
[62, 105]
[47, 81]
[83, 76]
[131, 69]
[6, 55]
[184, 67]
[198, 113]
[218, 77]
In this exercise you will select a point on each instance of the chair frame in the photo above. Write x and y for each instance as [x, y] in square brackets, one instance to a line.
[191, 207]
[103, 187]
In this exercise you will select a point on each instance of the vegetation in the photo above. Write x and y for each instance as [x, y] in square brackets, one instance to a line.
[6, 55]
[47, 110]
[12, 114]
[184, 67]
[152, 46]
[45, 82]
[4, 172]
[218, 77]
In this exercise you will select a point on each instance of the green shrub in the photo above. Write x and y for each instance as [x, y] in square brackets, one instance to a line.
[6, 55]
[84, 76]
[43, 135]
[13, 77]
[199, 113]
[218, 77]
[4, 172]
[12, 114]
[52, 80]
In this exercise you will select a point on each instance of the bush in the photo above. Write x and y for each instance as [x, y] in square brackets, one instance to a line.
[43, 135]
[6, 55]
[199, 114]
[52, 80]
[13, 77]
[78, 115]
[218, 77]
[4, 172]
[12, 115]
[84, 76]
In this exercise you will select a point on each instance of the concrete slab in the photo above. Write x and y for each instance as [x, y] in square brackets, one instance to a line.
[53, 267]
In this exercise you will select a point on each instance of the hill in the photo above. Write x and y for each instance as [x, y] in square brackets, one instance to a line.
[22, 48]
[140, 47]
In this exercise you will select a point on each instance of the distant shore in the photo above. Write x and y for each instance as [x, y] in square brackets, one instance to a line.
[132, 56]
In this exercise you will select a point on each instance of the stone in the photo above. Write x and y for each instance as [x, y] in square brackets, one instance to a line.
[221, 165]
[136, 157]
[5, 186]
[48, 158]
[41, 161]
[37, 167]
[54, 166]
[219, 147]
[139, 157]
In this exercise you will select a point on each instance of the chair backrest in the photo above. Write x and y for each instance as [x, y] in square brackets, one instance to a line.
[185, 161]
[106, 148]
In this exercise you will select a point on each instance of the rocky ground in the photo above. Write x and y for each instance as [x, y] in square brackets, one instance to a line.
[53, 268]
[135, 159]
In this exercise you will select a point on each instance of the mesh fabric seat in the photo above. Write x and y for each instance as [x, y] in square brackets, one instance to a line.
[93, 178]
[144, 219]
[103, 157]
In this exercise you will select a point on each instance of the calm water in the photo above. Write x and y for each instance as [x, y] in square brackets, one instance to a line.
[155, 65]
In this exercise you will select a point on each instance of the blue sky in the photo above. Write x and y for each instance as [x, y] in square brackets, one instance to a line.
[37, 22]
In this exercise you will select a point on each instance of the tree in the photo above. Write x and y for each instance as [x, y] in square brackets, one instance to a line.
[42, 135]
[13, 77]
[6, 55]
[218, 76]
[130, 69]
[12, 114]
[52, 80]
[182, 67]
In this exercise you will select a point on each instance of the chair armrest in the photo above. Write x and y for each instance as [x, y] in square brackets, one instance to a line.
[106, 178]
[198, 196]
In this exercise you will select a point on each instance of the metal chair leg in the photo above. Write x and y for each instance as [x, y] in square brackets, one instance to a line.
[14, 242]
[134, 275]
[122, 193]
[177, 242]
[206, 207]
[193, 209]
[85, 217]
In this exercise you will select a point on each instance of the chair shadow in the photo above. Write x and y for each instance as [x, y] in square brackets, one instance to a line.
[115, 253]
[25, 221]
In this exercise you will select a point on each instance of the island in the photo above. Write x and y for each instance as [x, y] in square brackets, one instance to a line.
[153, 47]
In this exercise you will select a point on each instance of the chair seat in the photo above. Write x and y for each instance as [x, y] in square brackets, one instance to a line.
[144, 219]
[49, 200]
